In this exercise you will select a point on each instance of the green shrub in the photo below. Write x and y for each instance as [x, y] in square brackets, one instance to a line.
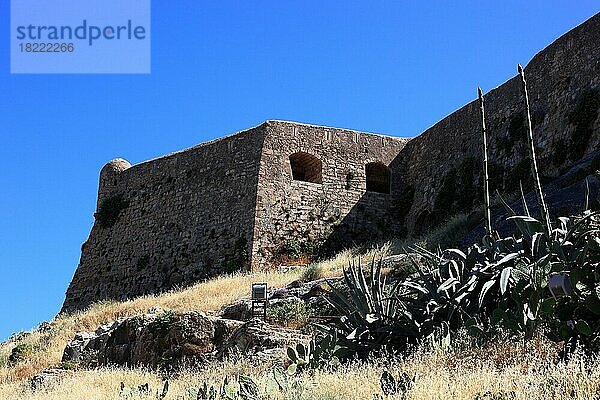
[312, 272]
[69, 365]
[322, 351]
[289, 313]
[294, 248]
[21, 352]
[110, 209]
[583, 117]
[239, 259]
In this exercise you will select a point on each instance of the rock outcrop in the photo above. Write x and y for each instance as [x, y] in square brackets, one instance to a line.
[169, 339]
[309, 293]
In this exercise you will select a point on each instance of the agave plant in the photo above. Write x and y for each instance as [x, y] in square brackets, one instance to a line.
[373, 313]
[460, 288]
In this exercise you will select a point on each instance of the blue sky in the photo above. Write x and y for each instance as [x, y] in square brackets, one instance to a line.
[220, 67]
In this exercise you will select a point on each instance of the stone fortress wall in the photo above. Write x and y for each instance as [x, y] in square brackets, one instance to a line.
[235, 202]
[178, 219]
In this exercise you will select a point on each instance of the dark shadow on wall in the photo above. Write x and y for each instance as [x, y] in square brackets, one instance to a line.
[376, 216]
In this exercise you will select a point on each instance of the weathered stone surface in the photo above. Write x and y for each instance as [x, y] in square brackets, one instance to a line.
[339, 211]
[47, 378]
[150, 339]
[241, 310]
[565, 196]
[557, 77]
[169, 339]
[225, 205]
[256, 337]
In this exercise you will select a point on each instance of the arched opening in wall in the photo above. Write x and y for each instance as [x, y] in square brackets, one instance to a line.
[306, 168]
[378, 177]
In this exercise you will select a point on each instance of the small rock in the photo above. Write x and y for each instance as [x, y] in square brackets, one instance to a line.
[295, 284]
[241, 310]
[46, 378]
[149, 340]
[315, 290]
[279, 293]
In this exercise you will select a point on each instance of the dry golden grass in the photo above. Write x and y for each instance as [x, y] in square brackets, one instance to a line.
[334, 265]
[46, 347]
[515, 370]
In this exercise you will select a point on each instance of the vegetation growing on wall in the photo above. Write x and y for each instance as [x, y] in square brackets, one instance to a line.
[458, 193]
[582, 118]
[496, 179]
[466, 191]
[444, 201]
[239, 259]
[142, 262]
[404, 205]
[518, 174]
[350, 176]
[561, 152]
[295, 249]
[516, 134]
[110, 209]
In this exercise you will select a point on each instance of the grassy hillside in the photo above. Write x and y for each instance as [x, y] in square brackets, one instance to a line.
[503, 369]
[42, 348]
[507, 370]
